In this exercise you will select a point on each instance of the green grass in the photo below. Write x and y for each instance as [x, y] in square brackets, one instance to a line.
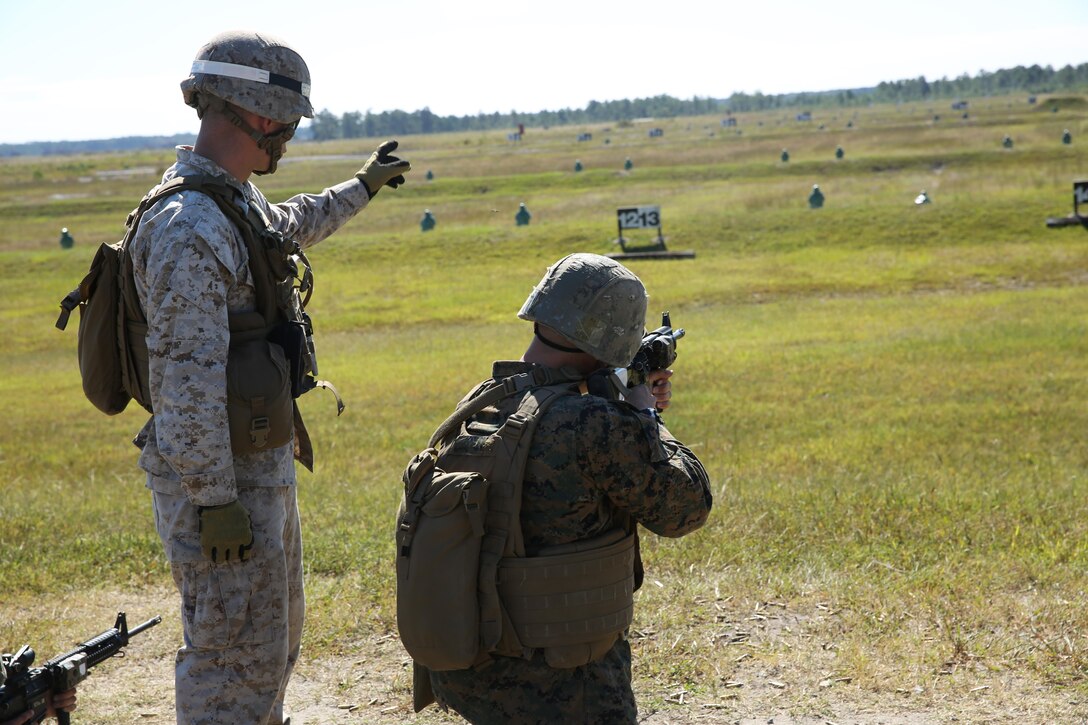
[890, 399]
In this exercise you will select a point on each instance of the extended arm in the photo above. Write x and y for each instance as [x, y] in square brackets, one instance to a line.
[311, 218]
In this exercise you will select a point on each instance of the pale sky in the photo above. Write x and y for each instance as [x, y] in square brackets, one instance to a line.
[73, 69]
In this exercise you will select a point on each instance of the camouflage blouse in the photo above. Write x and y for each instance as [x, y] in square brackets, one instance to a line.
[191, 268]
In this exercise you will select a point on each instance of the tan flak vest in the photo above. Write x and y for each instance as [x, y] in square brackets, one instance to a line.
[466, 588]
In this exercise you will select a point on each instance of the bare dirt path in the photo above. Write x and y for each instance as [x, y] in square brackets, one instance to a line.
[371, 685]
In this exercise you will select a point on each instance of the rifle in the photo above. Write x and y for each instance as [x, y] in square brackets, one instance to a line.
[656, 352]
[28, 688]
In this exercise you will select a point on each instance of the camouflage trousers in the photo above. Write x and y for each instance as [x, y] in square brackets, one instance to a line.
[515, 691]
[241, 620]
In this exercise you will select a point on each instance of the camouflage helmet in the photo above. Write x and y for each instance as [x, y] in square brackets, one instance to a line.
[257, 72]
[593, 301]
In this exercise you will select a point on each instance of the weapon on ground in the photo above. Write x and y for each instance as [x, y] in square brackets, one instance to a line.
[657, 352]
[28, 688]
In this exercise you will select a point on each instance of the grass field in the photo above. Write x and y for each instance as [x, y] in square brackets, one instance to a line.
[890, 400]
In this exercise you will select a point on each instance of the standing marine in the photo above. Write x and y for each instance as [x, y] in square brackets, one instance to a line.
[225, 504]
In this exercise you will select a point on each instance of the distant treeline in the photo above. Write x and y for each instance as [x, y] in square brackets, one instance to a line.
[1034, 79]
[1021, 79]
[326, 125]
[67, 148]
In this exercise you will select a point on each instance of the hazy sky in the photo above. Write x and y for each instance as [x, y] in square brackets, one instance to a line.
[72, 69]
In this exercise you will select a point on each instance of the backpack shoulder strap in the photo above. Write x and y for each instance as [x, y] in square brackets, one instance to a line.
[512, 453]
[503, 536]
[81, 293]
[215, 188]
[248, 221]
[502, 389]
[201, 182]
[250, 227]
[470, 407]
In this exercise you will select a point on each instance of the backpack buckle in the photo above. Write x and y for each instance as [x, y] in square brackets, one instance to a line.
[258, 431]
[517, 383]
[69, 303]
[514, 427]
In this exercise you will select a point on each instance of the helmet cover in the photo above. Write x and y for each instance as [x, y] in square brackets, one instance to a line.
[254, 71]
[593, 301]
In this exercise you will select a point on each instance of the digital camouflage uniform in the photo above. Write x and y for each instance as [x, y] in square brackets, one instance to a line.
[242, 620]
[592, 463]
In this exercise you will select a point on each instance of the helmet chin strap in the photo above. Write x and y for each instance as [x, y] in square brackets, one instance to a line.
[553, 345]
[272, 143]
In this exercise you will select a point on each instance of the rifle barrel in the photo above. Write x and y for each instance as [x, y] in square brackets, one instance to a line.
[146, 625]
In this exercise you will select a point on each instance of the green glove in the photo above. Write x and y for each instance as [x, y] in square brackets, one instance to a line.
[225, 530]
[382, 169]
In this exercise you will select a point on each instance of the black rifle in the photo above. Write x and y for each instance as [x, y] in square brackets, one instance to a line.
[657, 352]
[29, 688]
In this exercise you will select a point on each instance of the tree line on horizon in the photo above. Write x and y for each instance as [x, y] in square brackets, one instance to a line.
[326, 125]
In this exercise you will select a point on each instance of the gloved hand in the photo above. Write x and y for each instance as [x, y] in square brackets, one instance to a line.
[382, 169]
[225, 531]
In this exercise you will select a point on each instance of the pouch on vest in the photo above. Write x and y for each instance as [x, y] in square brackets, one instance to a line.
[437, 602]
[291, 336]
[573, 602]
[260, 408]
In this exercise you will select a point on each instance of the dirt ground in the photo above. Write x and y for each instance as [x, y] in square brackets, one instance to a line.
[372, 687]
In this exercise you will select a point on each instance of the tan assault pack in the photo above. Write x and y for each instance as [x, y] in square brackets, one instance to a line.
[466, 590]
[271, 356]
